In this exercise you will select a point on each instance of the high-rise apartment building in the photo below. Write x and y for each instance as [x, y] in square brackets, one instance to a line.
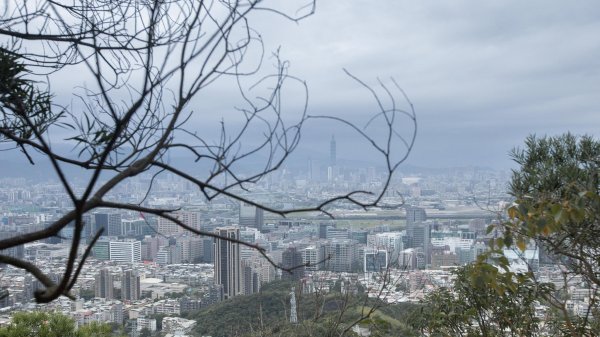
[191, 248]
[150, 247]
[104, 284]
[227, 261]
[311, 255]
[168, 227]
[129, 251]
[342, 255]
[171, 254]
[392, 242]
[250, 277]
[130, 286]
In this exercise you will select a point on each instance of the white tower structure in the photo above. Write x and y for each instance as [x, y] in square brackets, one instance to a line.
[293, 312]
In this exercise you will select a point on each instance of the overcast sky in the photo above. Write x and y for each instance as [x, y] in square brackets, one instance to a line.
[481, 75]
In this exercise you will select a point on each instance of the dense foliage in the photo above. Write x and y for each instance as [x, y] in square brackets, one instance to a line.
[557, 211]
[482, 303]
[23, 107]
[557, 202]
[267, 314]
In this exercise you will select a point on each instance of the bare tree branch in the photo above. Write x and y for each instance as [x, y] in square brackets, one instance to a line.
[141, 67]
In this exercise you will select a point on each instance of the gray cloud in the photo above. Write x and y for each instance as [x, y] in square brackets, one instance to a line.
[482, 75]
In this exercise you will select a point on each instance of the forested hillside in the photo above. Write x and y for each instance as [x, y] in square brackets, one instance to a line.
[267, 314]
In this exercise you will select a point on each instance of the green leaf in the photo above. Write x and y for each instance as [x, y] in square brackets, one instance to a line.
[508, 240]
[521, 244]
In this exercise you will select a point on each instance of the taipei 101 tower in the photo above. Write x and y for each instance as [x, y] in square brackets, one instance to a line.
[332, 152]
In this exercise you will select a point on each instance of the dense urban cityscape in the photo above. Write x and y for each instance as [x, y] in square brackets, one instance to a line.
[145, 268]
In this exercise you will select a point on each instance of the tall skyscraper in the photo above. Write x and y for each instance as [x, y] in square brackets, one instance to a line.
[104, 287]
[332, 152]
[111, 222]
[208, 252]
[130, 286]
[251, 216]
[421, 239]
[418, 231]
[292, 258]
[227, 261]
[415, 215]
